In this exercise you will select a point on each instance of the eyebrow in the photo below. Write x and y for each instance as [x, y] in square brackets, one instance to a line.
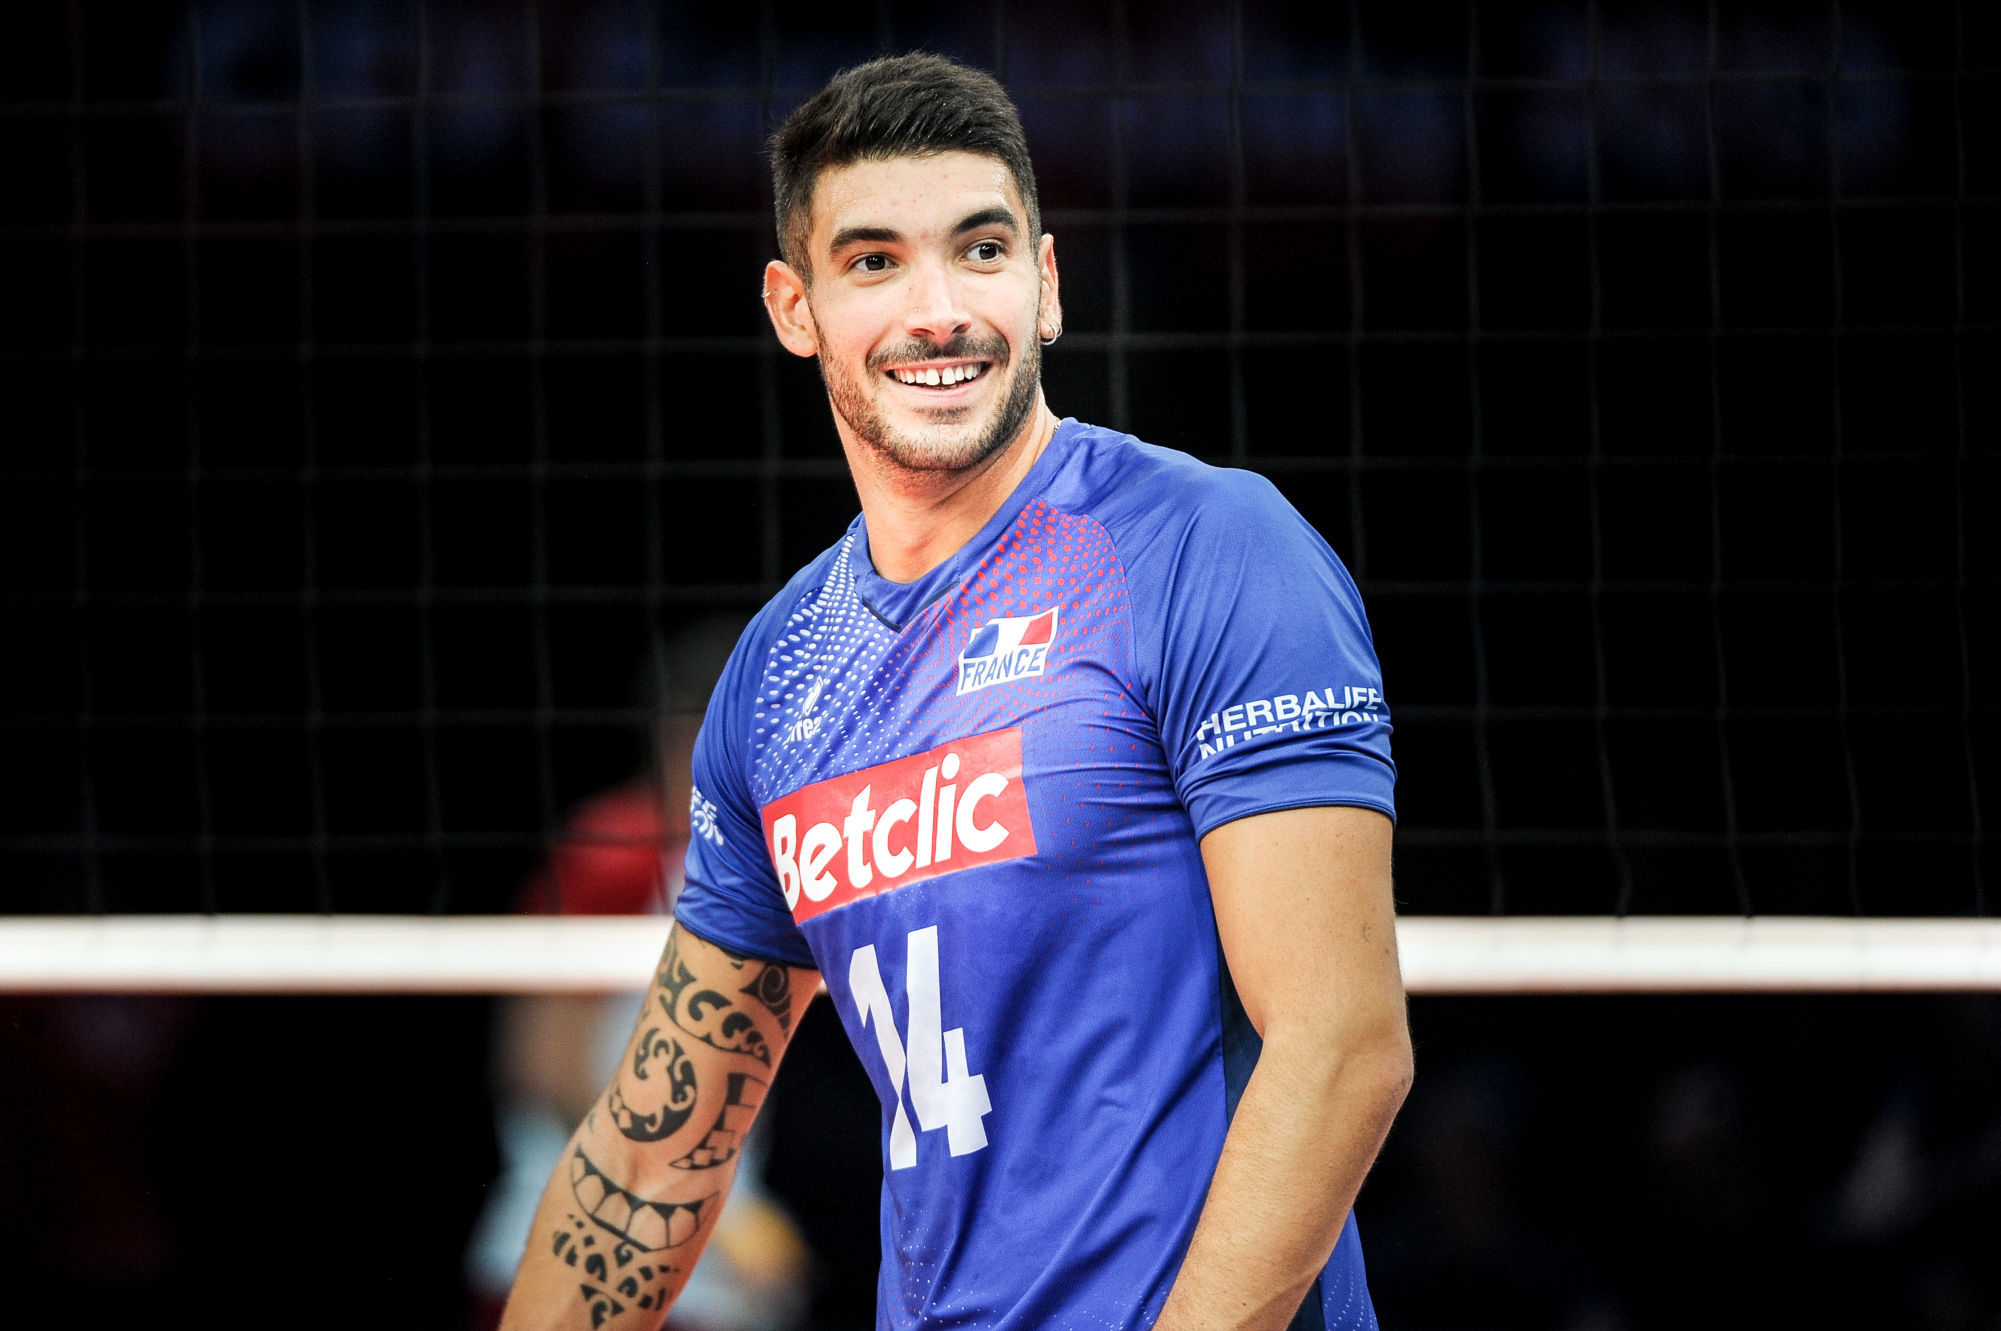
[864, 235]
[986, 217]
[886, 235]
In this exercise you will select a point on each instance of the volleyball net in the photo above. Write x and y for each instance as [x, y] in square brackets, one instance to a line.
[250, 954]
[389, 395]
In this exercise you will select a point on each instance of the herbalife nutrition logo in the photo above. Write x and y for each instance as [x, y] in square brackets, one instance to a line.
[1006, 650]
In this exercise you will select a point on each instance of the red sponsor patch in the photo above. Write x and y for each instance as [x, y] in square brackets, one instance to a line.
[875, 830]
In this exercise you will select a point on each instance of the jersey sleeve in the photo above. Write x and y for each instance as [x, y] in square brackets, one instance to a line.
[731, 897]
[1263, 676]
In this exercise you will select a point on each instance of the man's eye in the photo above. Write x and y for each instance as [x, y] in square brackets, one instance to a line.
[872, 263]
[987, 251]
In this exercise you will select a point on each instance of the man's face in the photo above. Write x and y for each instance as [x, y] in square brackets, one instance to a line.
[925, 298]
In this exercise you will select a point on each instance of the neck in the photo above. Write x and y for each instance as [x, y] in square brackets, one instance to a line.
[919, 519]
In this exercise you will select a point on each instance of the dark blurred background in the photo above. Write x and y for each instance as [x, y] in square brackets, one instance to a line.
[384, 379]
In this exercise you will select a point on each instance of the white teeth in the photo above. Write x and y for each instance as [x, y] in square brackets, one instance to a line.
[953, 374]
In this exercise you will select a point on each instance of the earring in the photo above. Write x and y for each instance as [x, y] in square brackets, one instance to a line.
[1052, 335]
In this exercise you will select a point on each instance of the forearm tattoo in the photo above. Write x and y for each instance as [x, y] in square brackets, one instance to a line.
[618, 1239]
[623, 1268]
[639, 1281]
[642, 1282]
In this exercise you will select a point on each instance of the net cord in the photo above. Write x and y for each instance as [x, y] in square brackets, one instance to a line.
[362, 954]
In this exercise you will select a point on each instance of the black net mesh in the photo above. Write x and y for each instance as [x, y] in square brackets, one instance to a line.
[384, 382]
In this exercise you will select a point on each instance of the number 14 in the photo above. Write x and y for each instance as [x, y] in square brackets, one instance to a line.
[941, 1091]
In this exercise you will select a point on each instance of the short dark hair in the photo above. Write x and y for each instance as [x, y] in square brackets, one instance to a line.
[898, 106]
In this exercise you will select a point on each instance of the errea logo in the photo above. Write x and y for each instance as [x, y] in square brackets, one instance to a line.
[1007, 649]
[807, 725]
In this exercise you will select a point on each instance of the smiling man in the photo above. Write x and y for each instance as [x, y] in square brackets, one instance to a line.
[1066, 769]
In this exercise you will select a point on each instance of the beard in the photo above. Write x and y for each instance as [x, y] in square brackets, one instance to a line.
[956, 440]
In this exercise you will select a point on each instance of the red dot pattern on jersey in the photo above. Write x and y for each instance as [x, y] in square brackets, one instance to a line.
[885, 693]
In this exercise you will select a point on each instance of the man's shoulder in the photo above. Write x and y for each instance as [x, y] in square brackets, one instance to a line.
[1189, 534]
[1129, 485]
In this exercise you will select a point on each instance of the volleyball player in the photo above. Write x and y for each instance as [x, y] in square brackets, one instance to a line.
[1066, 769]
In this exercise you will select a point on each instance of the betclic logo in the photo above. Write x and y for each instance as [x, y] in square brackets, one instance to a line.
[878, 829]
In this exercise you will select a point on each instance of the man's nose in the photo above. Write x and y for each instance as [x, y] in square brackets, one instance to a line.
[935, 310]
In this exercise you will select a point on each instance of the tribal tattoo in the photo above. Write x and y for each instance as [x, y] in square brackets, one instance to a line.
[724, 1139]
[646, 1225]
[617, 1240]
[772, 986]
[706, 1014]
[615, 1273]
[668, 1098]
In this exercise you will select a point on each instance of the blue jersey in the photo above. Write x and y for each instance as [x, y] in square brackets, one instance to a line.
[974, 802]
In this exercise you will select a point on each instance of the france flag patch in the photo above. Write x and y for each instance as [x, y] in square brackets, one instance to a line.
[1007, 649]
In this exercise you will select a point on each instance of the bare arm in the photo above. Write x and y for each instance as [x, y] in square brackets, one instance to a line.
[643, 1179]
[1304, 910]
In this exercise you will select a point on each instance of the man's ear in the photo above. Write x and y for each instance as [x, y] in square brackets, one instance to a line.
[1049, 317]
[791, 316]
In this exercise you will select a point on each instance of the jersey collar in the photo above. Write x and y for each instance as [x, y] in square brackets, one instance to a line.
[897, 603]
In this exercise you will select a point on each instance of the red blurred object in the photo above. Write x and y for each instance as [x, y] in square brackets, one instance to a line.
[619, 854]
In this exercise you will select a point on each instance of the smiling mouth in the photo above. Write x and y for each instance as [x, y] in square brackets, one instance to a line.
[935, 376]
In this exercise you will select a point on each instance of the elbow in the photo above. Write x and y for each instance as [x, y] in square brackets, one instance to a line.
[1368, 1070]
[1380, 1071]
[1401, 1070]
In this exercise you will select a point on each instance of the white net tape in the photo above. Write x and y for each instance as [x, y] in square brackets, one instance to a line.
[517, 954]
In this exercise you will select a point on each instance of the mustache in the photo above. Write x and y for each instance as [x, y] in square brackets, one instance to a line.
[963, 347]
